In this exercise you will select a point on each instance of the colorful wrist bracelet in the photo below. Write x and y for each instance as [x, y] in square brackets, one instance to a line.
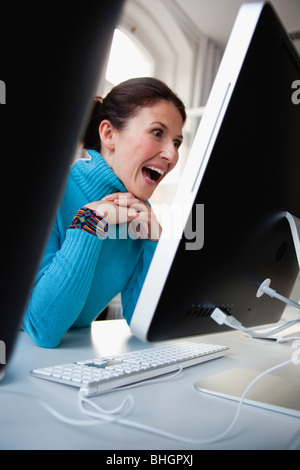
[88, 220]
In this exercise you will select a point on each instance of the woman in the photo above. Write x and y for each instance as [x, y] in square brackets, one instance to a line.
[105, 233]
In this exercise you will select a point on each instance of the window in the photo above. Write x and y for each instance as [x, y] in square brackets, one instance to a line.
[127, 60]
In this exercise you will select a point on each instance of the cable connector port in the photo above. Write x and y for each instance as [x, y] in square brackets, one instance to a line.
[219, 316]
[222, 318]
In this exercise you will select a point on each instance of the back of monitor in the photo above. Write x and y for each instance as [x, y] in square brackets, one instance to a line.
[51, 71]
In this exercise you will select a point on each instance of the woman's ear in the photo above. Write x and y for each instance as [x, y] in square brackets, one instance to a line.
[107, 134]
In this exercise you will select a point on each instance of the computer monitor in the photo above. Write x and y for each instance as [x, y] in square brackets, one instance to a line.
[51, 72]
[243, 175]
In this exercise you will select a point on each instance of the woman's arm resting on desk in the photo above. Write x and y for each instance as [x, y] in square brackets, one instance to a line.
[62, 287]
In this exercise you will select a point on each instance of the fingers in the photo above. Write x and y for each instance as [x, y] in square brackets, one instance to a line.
[127, 200]
[119, 196]
[144, 223]
[119, 207]
[124, 199]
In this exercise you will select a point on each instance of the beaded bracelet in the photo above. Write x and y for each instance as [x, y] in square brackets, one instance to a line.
[90, 221]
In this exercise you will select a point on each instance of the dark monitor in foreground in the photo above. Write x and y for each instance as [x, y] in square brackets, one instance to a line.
[54, 67]
[243, 169]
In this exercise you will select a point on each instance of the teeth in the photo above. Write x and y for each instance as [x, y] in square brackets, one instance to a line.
[158, 170]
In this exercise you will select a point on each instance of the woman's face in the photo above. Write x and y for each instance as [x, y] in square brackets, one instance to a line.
[143, 153]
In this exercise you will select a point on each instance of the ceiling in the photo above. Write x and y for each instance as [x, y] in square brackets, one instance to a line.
[215, 18]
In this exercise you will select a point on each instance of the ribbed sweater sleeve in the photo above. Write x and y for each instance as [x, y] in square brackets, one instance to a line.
[61, 291]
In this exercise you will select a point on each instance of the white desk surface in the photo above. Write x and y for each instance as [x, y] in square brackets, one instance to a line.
[173, 406]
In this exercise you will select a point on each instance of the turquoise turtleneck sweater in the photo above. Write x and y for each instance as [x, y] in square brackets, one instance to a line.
[80, 273]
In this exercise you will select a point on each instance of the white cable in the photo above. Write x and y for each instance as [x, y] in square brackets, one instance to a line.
[211, 440]
[150, 381]
[289, 338]
[253, 332]
[106, 417]
[266, 289]
[229, 320]
[52, 411]
[129, 398]
[104, 414]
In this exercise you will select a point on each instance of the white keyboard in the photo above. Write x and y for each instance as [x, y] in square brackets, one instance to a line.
[101, 375]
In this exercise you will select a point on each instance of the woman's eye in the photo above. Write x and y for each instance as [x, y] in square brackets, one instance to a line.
[157, 132]
[177, 143]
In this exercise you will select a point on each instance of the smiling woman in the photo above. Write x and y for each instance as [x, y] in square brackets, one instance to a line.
[137, 128]
[152, 138]
[105, 232]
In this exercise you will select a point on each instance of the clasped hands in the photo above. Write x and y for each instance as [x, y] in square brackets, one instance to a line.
[118, 208]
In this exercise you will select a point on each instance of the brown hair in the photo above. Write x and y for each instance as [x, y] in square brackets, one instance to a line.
[123, 102]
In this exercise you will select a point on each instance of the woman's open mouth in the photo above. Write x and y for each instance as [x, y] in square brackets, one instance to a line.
[152, 174]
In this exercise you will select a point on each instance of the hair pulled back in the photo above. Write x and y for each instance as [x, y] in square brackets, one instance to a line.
[123, 102]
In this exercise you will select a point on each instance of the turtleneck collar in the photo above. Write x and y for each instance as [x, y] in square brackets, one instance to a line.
[95, 178]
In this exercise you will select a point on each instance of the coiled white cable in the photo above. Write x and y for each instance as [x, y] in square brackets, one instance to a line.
[101, 416]
[205, 441]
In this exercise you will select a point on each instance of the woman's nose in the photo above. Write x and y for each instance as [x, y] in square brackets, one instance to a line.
[170, 153]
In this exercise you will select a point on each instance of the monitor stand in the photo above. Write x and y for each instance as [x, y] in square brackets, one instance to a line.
[270, 392]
